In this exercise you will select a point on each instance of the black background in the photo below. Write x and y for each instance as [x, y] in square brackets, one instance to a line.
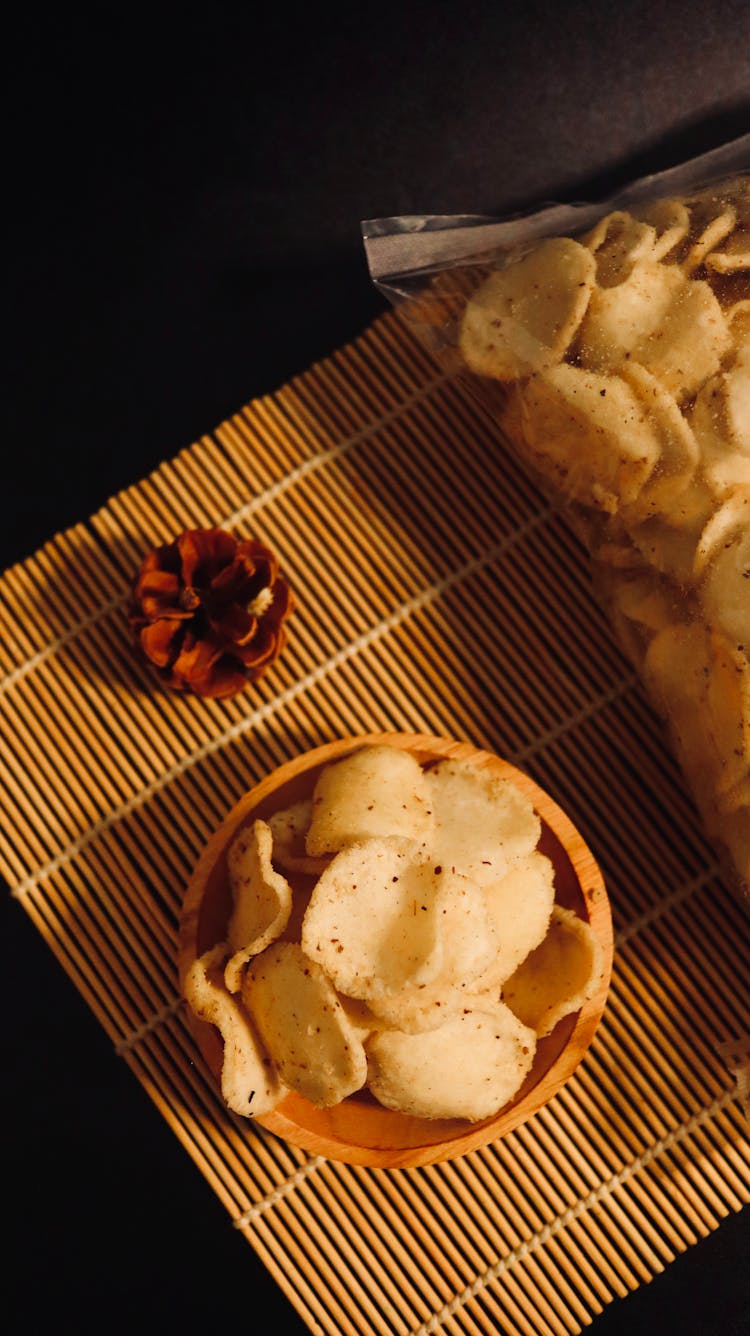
[184, 191]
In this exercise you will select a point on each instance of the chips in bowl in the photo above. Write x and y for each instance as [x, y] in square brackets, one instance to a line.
[370, 1000]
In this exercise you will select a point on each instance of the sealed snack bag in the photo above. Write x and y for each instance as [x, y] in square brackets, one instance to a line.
[611, 343]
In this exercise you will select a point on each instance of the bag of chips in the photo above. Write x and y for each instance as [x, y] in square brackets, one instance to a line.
[611, 343]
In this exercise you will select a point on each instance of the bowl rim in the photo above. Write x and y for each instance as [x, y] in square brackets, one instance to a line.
[420, 1141]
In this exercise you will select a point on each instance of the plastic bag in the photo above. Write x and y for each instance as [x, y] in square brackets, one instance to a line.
[611, 343]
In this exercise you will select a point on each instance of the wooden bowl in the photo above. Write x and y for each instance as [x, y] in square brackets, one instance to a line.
[359, 1130]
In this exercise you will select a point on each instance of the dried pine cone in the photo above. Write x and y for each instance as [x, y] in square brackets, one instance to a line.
[208, 611]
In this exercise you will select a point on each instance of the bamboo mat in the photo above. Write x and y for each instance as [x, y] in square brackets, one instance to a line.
[436, 594]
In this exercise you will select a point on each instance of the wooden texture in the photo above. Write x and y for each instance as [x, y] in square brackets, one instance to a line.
[436, 594]
[358, 1131]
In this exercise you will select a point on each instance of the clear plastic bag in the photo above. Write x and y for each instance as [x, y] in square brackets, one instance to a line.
[611, 343]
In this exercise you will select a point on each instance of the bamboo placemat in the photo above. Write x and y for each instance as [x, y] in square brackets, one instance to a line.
[435, 594]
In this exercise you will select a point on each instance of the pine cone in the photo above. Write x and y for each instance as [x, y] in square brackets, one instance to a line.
[208, 611]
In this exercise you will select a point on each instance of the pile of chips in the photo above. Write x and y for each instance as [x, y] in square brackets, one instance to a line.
[395, 931]
[625, 355]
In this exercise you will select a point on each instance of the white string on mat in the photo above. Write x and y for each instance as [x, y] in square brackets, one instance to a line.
[261, 499]
[580, 716]
[603, 1191]
[267, 710]
[158, 1018]
[278, 1194]
[665, 903]
[23, 669]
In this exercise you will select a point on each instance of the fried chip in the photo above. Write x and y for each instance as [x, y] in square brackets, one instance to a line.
[469, 1067]
[589, 435]
[383, 919]
[468, 945]
[645, 603]
[289, 829]
[659, 317]
[721, 421]
[670, 220]
[416, 1008]
[714, 232]
[726, 524]
[735, 836]
[465, 927]
[262, 899]
[636, 609]
[304, 884]
[668, 545]
[678, 448]
[725, 587]
[720, 418]
[714, 200]
[708, 417]
[734, 254]
[482, 824]
[677, 666]
[249, 1083]
[687, 346]
[737, 395]
[558, 976]
[738, 320]
[361, 924]
[619, 241]
[526, 315]
[376, 791]
[362, 1017]
[619, 318]
[315, 1047]
[520, 906]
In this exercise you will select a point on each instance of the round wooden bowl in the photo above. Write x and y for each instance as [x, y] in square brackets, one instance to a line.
[359, 1130]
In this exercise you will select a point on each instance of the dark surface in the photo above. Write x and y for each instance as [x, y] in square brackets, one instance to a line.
[184, 206]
